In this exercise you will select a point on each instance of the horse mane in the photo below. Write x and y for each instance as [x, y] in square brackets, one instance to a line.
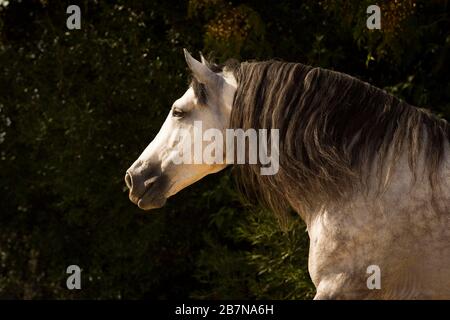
[333, 130]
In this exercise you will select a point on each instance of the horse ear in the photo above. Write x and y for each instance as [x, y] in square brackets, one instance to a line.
[200, 71]
[204, 61]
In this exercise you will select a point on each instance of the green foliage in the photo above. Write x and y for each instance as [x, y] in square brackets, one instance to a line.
[77, 108]
[248, 255]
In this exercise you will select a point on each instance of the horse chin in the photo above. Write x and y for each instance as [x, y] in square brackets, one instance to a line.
[151, 203]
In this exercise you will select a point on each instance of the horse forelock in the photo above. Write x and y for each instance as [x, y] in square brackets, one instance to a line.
[333, 129]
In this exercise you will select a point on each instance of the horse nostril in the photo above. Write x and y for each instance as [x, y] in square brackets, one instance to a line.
[128, 181]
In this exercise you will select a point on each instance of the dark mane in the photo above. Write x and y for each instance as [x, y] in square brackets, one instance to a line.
[333, 127]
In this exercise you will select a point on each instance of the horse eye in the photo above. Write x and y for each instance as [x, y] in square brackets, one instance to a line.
[177, 113]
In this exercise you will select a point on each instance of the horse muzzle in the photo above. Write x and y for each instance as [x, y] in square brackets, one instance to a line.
[146, 190]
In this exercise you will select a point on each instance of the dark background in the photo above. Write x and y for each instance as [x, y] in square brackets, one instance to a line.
[77, 107]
